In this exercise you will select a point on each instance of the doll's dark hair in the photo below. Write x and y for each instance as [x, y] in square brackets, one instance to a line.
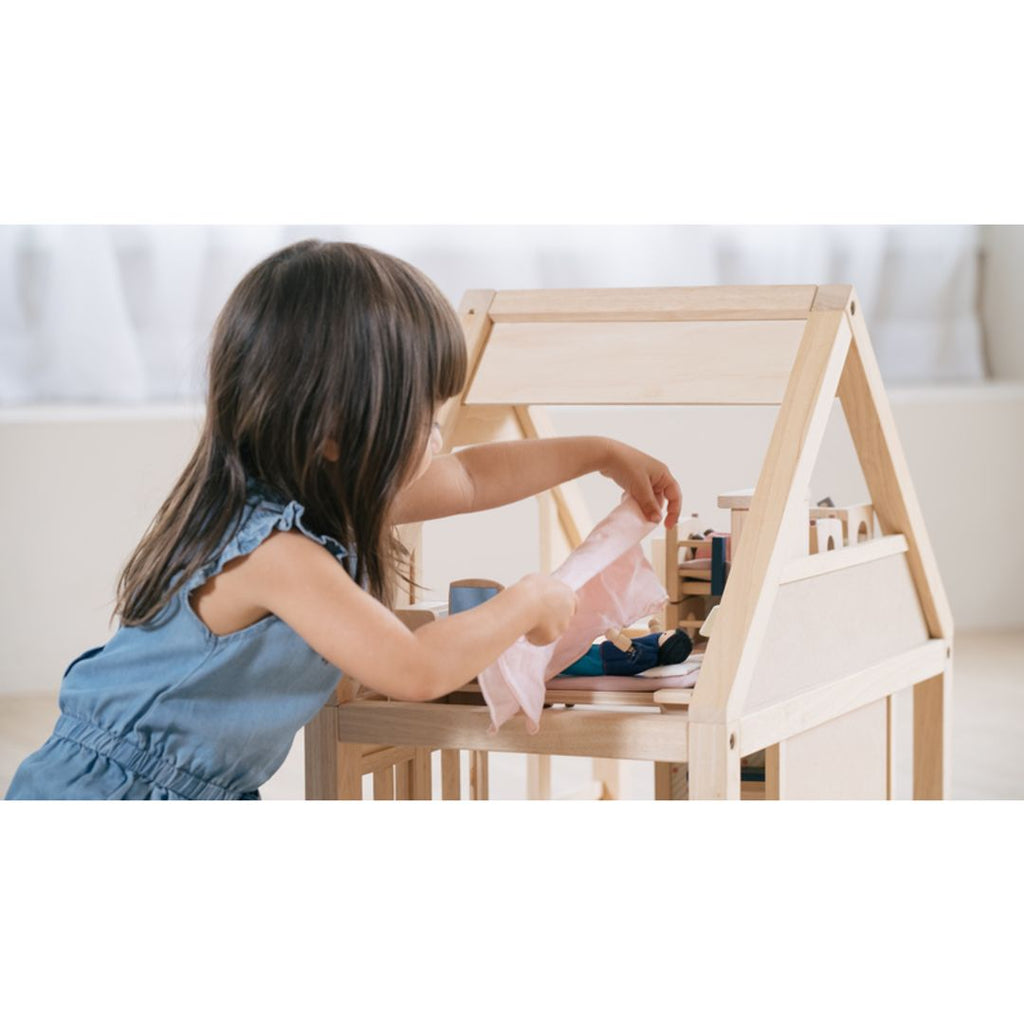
[675, 649]
[320, 341]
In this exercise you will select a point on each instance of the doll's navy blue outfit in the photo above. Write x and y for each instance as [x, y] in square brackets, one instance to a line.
[170, 711]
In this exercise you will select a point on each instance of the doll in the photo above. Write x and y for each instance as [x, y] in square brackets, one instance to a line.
[622, 657]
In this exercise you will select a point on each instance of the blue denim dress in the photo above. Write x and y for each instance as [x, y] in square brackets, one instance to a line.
[170, 711]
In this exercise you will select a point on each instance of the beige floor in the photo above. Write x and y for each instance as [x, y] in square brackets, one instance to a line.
[988, 736]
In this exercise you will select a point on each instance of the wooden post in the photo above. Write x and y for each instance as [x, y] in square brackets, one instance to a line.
[422, 785]
[384, 784]
[671, 781]
[609, 774]
[320, 739]
[777, 522]
[478, 775]
[538, 777]
[350, 775]
[714, 762]
[933, 701]
[451, 775]
[403, 780]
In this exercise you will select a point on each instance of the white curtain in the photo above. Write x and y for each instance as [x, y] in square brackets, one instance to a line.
[123, 314]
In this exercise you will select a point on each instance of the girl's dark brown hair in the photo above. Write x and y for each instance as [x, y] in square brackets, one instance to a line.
[320, 341]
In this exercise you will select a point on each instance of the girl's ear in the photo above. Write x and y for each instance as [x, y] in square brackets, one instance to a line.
[329, 450]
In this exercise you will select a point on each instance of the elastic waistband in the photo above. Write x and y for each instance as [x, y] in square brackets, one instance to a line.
[145, 763]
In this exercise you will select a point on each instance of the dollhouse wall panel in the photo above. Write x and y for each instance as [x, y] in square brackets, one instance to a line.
[826, 627]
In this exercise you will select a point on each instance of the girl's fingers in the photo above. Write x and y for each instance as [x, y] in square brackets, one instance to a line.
[668, 488]
[675, 503]
[651, 503]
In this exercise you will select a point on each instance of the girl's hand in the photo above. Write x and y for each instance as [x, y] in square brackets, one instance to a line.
[644, 478]
[556, 604]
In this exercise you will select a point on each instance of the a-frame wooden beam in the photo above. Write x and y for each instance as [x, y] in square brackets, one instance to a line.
[873, 429]
[775, 520]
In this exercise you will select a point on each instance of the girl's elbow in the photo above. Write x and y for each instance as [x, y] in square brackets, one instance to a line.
[423, 680]
[419, 671]
[415, 686]
[432, 684]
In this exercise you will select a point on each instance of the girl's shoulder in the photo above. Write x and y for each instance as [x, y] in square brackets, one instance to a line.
[267, 511]
[221, 591]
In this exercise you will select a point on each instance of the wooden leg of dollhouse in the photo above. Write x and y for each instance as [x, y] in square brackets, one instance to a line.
[538, 777]
[350, 774]
[420, 766]
[384, 783]
[670, 781]
[933, 736]
[608, 773]
[771, 772]
[403, 780]
[662, 781]
[478, 775]
[714, 762]
[451, 775]
[320, 739]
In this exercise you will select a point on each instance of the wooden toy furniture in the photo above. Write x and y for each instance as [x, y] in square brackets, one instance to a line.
[855, 523]
[691, 586]
[689, 575]
[806, 650]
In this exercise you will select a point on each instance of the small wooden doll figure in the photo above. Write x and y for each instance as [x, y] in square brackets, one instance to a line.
[629, 658]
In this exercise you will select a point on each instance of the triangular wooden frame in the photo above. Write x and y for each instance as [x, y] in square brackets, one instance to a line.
[801, 347]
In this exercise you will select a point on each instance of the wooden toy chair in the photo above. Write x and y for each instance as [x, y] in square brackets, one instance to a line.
[807, 650]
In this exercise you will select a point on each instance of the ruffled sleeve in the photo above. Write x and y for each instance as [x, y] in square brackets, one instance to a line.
[257, 527]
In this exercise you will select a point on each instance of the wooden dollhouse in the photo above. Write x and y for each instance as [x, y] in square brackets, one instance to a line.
[825, 613]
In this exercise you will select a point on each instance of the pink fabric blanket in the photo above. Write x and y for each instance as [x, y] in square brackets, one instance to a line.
[615, 585]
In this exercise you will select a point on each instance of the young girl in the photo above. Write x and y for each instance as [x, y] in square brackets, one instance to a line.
[270, 566]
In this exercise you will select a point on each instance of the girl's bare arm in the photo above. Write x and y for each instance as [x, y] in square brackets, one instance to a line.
[501, 472]
[444, 490]
[301, 583]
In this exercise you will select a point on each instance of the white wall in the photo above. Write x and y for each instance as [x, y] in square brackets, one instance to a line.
[80, 486]
[78, 489]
